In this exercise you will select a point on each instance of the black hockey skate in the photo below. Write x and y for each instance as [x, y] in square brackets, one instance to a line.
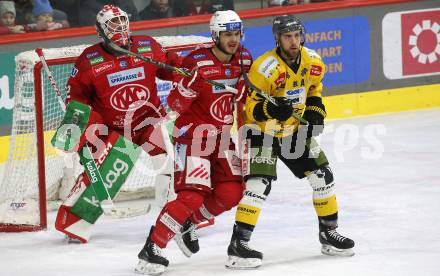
[334, 244]
[187, 240]
[151, 261]
[240, 255]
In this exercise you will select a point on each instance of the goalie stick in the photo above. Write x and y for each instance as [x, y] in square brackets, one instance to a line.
[261, 94]
[180, 71]
[107, 204]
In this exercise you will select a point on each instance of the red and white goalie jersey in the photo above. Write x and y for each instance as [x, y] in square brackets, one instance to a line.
[120, 87]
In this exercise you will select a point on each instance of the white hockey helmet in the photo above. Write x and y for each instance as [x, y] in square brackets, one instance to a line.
[115, 24]
[223, 21]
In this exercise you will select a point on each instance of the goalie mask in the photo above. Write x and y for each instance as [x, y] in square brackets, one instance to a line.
[115, 24]
[224, 21]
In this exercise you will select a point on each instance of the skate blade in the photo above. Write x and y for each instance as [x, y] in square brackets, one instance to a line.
[234, 262]
[333, 251]
[182, 246]
[71, 240]
[146, 268]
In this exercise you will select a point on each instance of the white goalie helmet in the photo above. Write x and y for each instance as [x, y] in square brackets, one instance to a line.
[115, 24]
[223, 21]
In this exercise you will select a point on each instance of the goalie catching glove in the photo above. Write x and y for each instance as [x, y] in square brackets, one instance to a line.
[314, 114]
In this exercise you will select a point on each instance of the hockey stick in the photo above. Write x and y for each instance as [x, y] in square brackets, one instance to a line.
[261, 93]
[107, 204]
[159, 64]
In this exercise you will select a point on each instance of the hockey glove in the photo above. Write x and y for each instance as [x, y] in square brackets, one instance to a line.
[314, 114]
[282, 111]
[190, 87]
[241, 90]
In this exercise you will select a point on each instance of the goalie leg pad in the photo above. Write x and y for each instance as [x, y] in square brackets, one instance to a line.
[78, 124]
[69, 223]
[72, 225]
[163, 190]
[324, 198]
[82, 207]
[116, 163]
[248, 210]
[163, 167]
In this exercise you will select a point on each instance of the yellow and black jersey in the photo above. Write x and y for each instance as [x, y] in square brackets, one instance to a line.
[271, 74]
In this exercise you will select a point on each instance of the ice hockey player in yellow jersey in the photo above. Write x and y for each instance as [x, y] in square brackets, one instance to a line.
[292, 75]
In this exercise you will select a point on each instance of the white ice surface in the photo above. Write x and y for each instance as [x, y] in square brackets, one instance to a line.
[389, 204]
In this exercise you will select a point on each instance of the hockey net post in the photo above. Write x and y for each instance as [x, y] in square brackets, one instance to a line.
[34, 170]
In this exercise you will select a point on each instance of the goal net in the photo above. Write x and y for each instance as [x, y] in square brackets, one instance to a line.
[35, 174]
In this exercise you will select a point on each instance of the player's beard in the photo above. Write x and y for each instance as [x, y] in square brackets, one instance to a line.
[291, 53]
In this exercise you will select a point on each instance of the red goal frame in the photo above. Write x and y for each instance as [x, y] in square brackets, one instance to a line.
[38, 81]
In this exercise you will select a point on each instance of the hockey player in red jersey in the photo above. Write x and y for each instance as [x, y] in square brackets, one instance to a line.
[120, 92]
[207, 176]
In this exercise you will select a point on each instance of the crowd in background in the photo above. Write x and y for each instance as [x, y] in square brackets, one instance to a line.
[21, 16]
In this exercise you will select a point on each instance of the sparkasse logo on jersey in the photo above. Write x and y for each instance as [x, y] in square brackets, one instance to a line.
[125, 76]
[411, 43]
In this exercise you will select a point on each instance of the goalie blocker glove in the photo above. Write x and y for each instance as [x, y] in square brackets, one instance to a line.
[314, 114]
[265, 110]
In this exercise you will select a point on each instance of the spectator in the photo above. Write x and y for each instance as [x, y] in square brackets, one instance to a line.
[157, 9]
[43, 14]
[217, 5]
[273, 3]
[83, 12]
[194, 7]
[24, 11]
[7, 19]
[25, 16]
